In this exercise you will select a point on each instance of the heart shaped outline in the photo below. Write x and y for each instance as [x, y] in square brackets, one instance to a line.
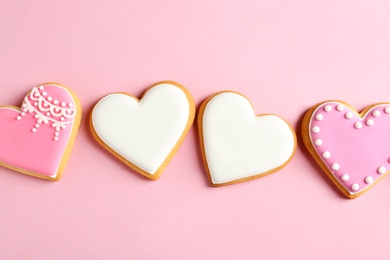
[157, 174]
[200, 116]
[305, 130]
[69, 145]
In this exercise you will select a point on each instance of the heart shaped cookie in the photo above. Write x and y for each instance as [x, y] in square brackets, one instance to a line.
[238, 145]
[37, 138]
[351, 148]
[145, 133]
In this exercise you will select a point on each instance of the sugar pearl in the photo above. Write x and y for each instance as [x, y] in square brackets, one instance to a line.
[358, 125]
[349, 115]
[355, 187]
[318, 142]
[382, 170]
[319, 117]
[370, 122]
[376, 113]
[340, 107]
[335, 166]
[369, 179]
[326, 154]
[316, 129]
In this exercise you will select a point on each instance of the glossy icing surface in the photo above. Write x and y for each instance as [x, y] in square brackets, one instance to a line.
[34, 138]
[143, 132]
[354, 149]
[238, 144]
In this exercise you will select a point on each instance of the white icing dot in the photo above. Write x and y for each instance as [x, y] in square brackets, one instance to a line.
[369, 179]
[37, 125]
[376, 113]
[44, 93]
[335, 166]
[328, 108]
[63, 104]
[319, 117]
[23, 114]
[36, 116]
[56, 138]
[340, 107]
[18, 118]
[345, 177]
[358, 125]
[24, 105]
[370, 122]
[63, 126]
[34, 130]
[387, 110]
[41, 88]
[35, 103]
[54, 125]
[382, 170]
[62, 118]
[24, 109]
[56, 134]
[49, 98]
[56, 102]
[318, 142]
[349, 115]
[316, 129]
[48, 113]
[326, 154]
[355, 187]
[39, 121]
[70, 105]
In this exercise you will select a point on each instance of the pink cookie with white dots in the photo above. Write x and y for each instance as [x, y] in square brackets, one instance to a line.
[352, 148]
[37, 138]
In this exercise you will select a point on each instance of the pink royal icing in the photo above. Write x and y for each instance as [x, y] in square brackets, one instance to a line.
[355, 150]
[35, 138]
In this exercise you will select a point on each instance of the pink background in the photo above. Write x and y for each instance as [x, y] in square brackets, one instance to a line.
[284, 55]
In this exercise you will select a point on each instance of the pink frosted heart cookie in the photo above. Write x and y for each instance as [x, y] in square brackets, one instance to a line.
[352, 148]
[37, 138]
[238, 145]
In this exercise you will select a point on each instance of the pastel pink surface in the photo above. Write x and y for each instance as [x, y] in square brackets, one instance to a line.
[285, 56]
[37, 151]
[350, 145]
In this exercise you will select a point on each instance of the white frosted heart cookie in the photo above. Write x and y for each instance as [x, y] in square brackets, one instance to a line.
[144, 133]
[238, 145]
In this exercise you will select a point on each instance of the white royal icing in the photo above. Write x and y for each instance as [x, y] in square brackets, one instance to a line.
[45, 112]
[238, 144]
[144, 132]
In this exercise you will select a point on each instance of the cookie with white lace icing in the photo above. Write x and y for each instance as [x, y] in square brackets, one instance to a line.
[37, 138]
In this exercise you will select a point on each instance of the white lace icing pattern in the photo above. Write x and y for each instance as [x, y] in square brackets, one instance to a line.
[58, 114]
